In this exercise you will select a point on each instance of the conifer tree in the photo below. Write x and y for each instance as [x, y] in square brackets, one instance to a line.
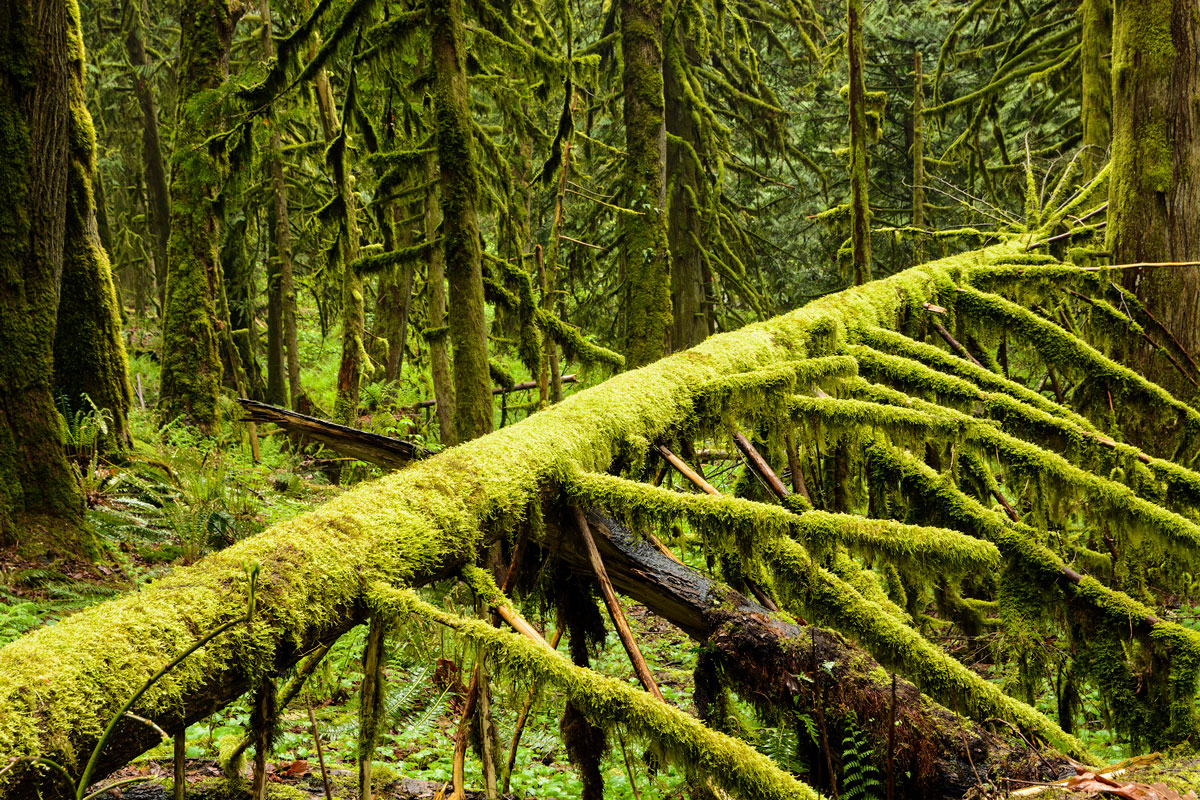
[90, 370]
[645, 247]
[1154, 195]
[458, 182]
[192, 326]
[35, 73]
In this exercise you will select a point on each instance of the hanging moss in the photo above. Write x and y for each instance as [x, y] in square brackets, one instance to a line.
[739, 526]
[606, 701]
[827, 598]
[1130, 392]
[1114, 613]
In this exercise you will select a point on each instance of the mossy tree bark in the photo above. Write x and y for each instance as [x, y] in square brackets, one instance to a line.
[691, 323]
[89, 353]
[1095, 60]
[393, 297]
[281, 309]
[918, 145]
[1154, 193]
[191, 365]
[645, 250]
[353, 313]
[459, 186]
[439, 351]
[860, 210]
[35, 164]
[158, 198]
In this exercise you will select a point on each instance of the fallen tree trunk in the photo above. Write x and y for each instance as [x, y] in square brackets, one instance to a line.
[774, 663]
[60, 686]
[383, 451]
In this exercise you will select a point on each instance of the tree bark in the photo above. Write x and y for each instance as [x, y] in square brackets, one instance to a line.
[191, 365]
[353, 314]
[860, 210]
[459, 184]
[35, 124]
[280, 262]
[158, 198]
[687, 187]
[1097, 97]
[646, 251]
[439, 351]
[89, 351]
[1154, 192]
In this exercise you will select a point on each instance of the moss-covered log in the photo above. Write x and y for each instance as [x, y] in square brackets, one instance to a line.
[59, 686]
[774, 662]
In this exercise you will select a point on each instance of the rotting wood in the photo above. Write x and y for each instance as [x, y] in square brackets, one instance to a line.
[383, 451]
[764, 652]
[614, 607]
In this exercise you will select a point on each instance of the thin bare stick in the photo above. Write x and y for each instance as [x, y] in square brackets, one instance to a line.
[1008, 509]
[179, 763]
[521, 719]
[628, 768]
[686, 471]
[956, 345]
[614, 608]
[312, 720]
[760, 465]
[1141, 264]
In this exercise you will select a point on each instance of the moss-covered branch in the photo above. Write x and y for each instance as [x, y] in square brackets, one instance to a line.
[607, 701]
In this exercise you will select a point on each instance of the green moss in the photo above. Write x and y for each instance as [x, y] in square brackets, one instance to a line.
[735, 525]
[59, 685]
[191, 367]
[830, 600]
[607, 702]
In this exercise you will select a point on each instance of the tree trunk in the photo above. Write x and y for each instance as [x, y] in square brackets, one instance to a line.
[1154, 194]
[191, 365]
[459, 184]
[1097, 99]
[393, 298]
[280, 260]
[353, 314]
[439, 352]
[89, 351]
[646, 252]
[918, 146]
[683, 229]
[35, 121]
[860, 210]
[158, 198]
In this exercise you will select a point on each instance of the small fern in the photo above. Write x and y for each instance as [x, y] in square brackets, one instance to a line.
[860, 778]
[782, 745]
